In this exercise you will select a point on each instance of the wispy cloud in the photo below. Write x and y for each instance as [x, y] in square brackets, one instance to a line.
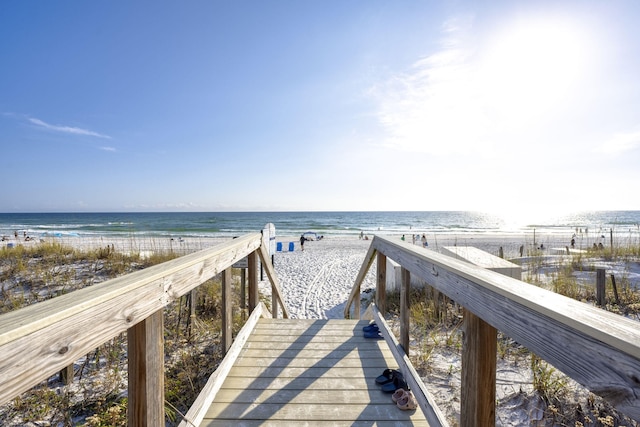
[434, 106]
[104, 148]
[620, 143]
[67, 129]
[467, 99]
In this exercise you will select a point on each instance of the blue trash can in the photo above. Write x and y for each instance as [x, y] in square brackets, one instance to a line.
[279, 246]
[291, 247]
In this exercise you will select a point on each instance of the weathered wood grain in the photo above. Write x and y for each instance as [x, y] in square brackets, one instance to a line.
[145, 350]
[39, 340]
[297, 383]
[198, 410]
[425, 400]
[354, 296]
[276, 293]
[600, 350]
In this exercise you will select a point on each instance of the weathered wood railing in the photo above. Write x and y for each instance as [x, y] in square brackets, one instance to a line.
[598, 349]
[39, 340]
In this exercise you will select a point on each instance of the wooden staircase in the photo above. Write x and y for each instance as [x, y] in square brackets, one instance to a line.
[293, 372]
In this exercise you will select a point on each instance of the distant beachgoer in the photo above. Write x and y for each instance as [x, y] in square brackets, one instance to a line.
[361, 235]
[402, 238]
[521, 250]
[302, 240]
[424, 241]
[16, 234]
[600, 246]
[413, 239]
[573, 243]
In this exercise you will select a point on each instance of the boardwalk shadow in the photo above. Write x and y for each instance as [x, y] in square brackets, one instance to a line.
[306, 371]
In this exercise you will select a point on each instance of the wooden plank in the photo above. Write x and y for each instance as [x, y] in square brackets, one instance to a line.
[39, 340]
[197, 411]
[145, 349]
[300, 362]
[405, 288]
[319, 346]
[307, 372]
[605, 347]
[278, 383]
[276, 293]
[381, 282]
[302, 412]
[425, 400]
[306, 396]
[354, 296]
[478, 382]
[227, 311]
[315, 339]
[327, 353]
[306, 386]
[254, 296]
[317, 423]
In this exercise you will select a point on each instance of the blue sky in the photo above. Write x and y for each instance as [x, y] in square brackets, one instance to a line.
[523, 106]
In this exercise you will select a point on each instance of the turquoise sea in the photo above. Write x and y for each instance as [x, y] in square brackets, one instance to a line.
[226, 224]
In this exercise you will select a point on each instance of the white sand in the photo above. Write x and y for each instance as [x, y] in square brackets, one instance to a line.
[316, 283]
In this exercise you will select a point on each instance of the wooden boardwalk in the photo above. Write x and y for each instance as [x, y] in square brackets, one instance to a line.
[308, 373]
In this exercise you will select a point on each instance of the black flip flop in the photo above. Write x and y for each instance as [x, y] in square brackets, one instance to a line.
[386, 377]
[371, 327]
[398, 382]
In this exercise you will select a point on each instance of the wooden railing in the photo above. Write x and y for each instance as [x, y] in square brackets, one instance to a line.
[598, 349]
[40, 340]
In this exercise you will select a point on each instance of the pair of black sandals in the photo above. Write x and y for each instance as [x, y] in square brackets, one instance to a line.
[372, 331]
[391, 380]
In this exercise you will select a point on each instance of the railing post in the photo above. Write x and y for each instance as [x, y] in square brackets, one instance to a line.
[145, 348]
[600, 287]
[404, 309]
[227, 318]
[252, 260]
[66, 374]
[243, 292]
[478, 378]
[274, 304]
[381, 283]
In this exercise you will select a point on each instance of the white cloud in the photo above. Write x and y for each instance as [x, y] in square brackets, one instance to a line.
[67, 129]
[482, 94]
[620, 143]
[112, 149]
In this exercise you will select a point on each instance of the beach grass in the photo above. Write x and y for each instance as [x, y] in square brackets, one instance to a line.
[436, 332]
[97, 396]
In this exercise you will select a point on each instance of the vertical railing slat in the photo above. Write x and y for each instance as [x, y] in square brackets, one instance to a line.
[227, 310]
[478, 377]
[381, 284]
[145, 349]
[404, 309]
[252, 259]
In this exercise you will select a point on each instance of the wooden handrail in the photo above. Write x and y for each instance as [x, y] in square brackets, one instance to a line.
[39, 340]
[600, 350]
[425, 400]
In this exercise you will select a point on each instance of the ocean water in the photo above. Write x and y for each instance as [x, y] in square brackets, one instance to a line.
[227, 224]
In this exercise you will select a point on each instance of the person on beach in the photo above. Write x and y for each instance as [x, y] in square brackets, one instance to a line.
[302, 239]
[361, 234]
[424, 241]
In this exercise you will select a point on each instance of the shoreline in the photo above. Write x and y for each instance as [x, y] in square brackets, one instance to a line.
[510, 242]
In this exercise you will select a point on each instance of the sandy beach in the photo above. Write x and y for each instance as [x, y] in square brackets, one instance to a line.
[316, 283]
